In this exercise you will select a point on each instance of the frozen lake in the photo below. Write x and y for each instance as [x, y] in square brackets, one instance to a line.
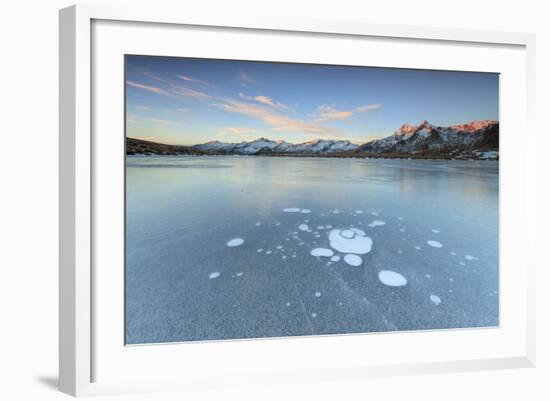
[226, 247]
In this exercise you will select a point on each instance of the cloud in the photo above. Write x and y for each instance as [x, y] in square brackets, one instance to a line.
[148, 88]
[142, 108]
[187, 78]
[270, 102]
[279, 122]
[326, 113]
[329, 113]
[182, 91]
[238, 130]
[264, 100]
[163, 122]
[245, 79]
[368, 108]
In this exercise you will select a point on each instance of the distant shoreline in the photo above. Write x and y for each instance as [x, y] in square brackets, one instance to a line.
[315, 156]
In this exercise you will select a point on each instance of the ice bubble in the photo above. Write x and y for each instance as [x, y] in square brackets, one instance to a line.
[317, 236]
[377, 223]
[462, 263]
[259, 250]
[347, 234]
[279, 247]
[239, 274]
[470, 257]
[427, 276]
[400, 218]
[288, 304]
[320, 227]
[336, 211]
[435, 244]
[399, 251]
[435, 299]
[453, 253]
[214, 275]
[291, 210]
[374, 213]
[268, 252]
[401, 230]
[317, 294]
[435, 231]
[328, 226]
[305, 211]
[358, 231]
[303, 227]
[451, 279]
[321, 252]
[235, 242]
[283, 257]
[391, 278]
[418, 248]
[258, 224]
[359, 211]
[314, 315]
[277, 223]
[335, 258]
[357, 243]
[353, 260]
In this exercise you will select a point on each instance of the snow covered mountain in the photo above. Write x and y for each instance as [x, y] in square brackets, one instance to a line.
[473, 140]
[428, 138]
[266, 146]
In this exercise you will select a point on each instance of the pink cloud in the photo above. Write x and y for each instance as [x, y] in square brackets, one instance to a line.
[149, 88]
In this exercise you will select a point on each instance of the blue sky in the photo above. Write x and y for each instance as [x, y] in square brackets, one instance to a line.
[189, 101]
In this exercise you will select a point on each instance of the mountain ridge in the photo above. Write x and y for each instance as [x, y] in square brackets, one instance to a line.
[477, 139]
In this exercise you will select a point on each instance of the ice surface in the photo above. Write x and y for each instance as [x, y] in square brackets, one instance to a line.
[179, 218]
[391, 278]
[435, 244]
[349, 241]
[235, 242]
[353, 260]
[321, 252]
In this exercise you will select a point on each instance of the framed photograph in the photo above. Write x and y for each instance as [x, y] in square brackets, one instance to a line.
[271, 201]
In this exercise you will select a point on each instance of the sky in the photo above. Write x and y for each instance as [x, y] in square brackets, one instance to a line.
[188, 101]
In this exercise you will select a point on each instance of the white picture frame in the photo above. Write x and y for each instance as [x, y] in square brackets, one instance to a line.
[80, 155]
